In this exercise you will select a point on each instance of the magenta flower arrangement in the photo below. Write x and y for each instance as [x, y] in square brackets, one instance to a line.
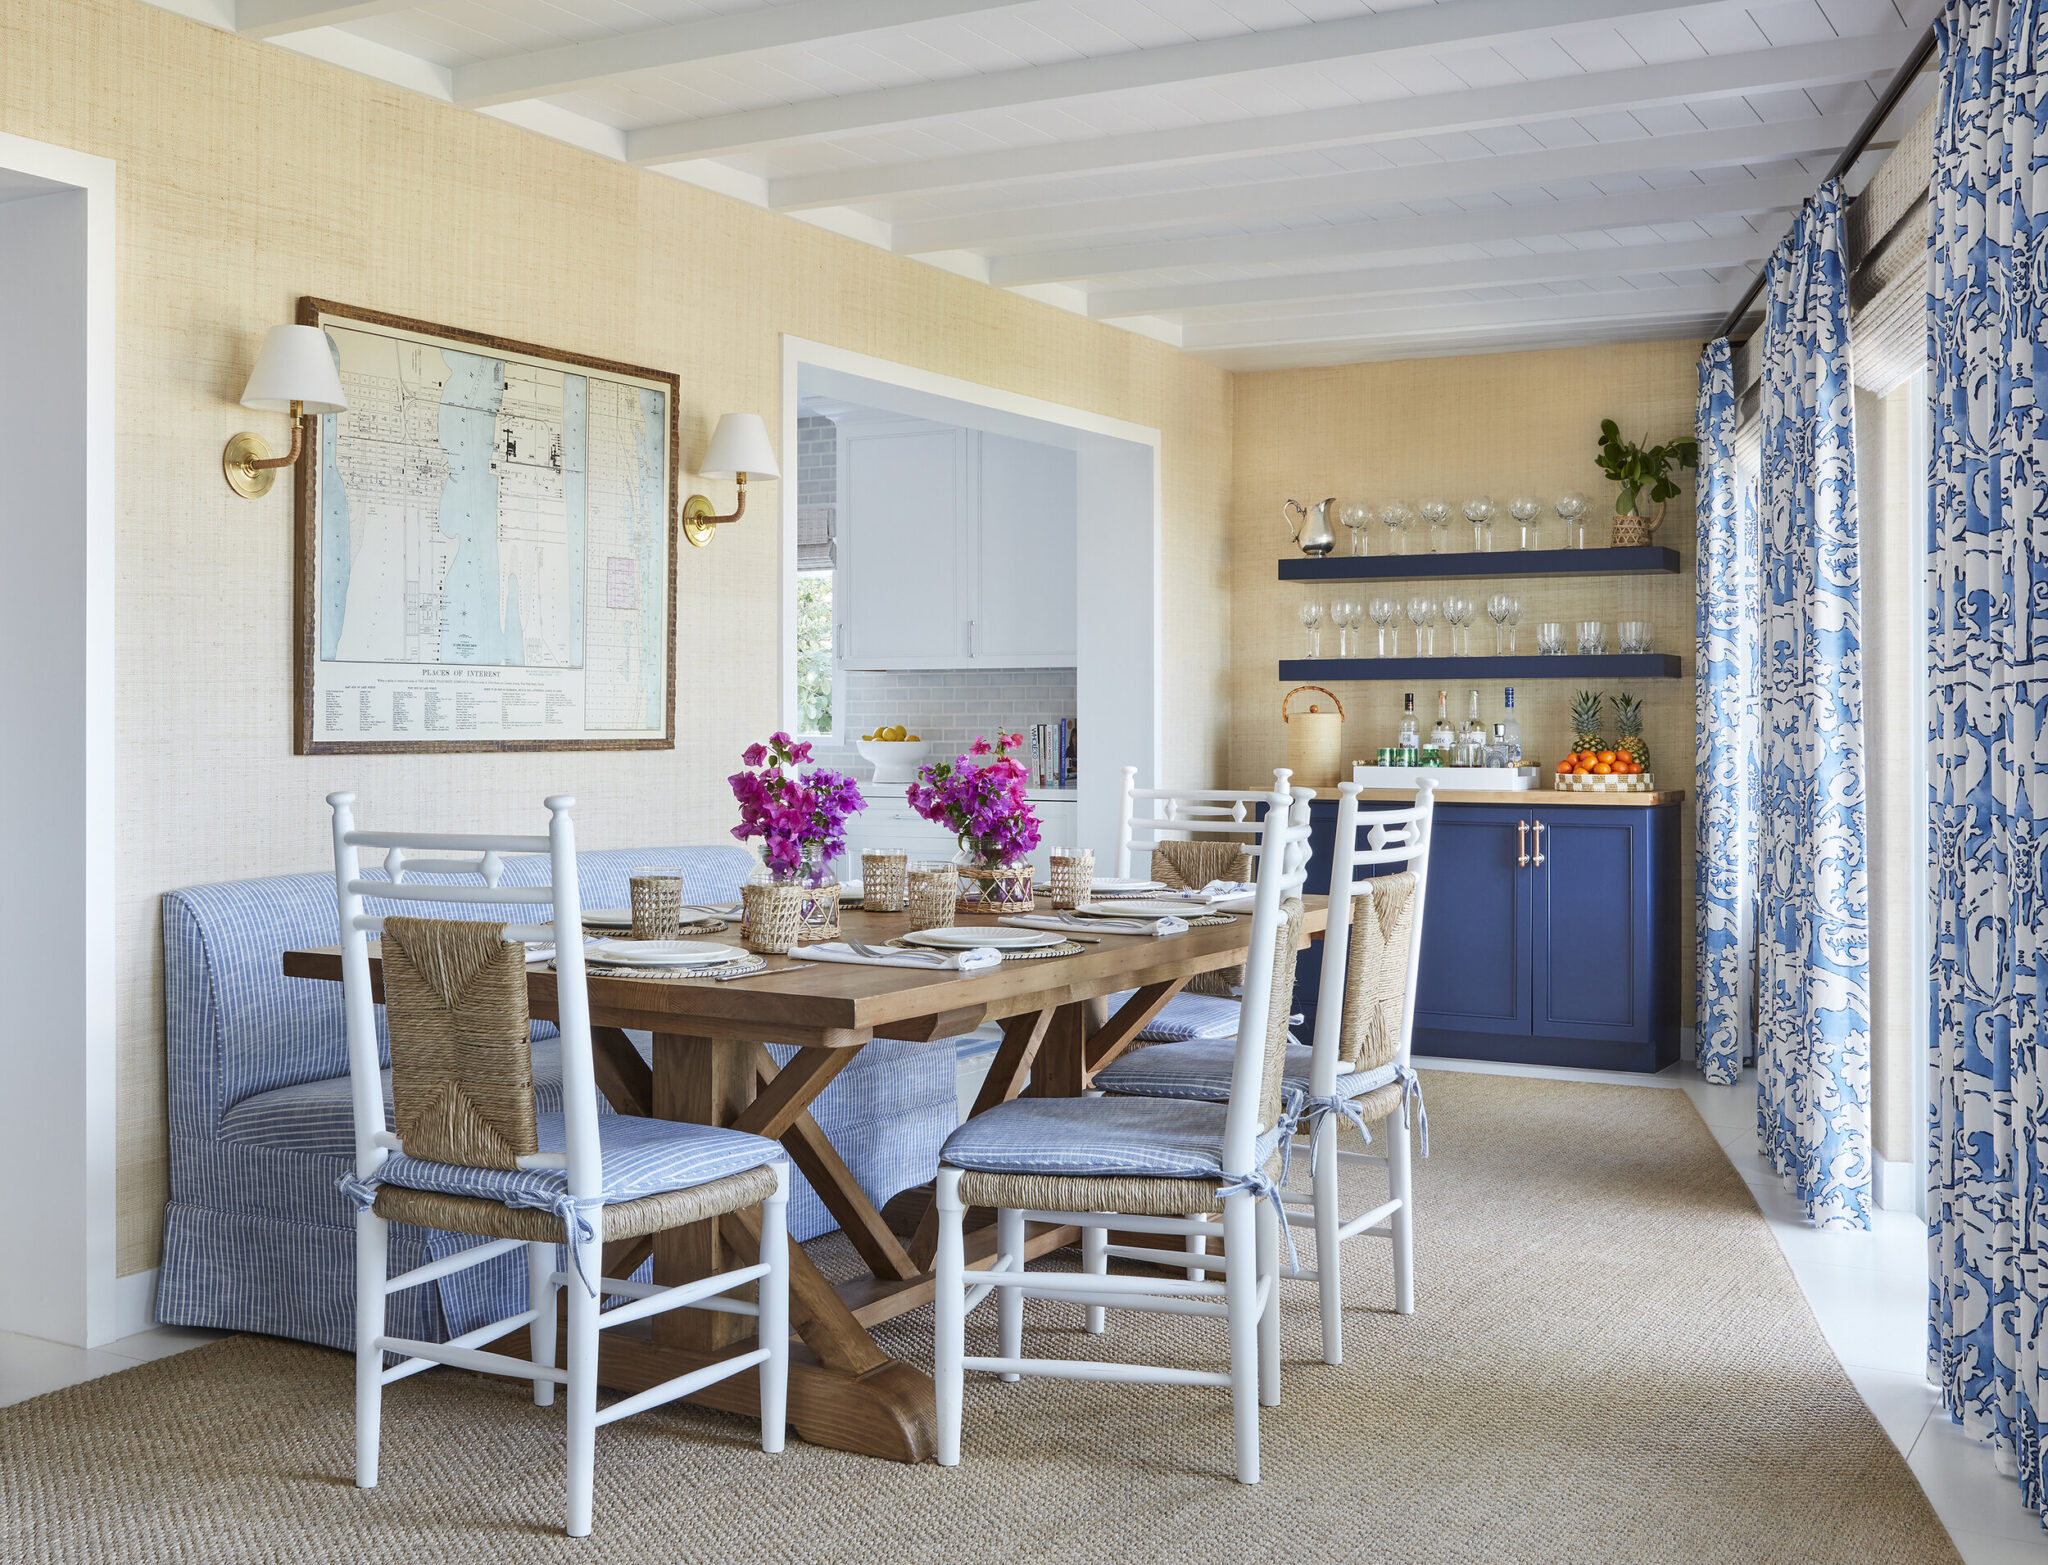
[801, 820]
[979, 797]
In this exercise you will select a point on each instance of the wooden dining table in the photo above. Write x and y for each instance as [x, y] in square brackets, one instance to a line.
[709, 1066]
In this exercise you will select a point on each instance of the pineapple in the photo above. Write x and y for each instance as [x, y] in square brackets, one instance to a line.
[1628, 729]
[1586, 721]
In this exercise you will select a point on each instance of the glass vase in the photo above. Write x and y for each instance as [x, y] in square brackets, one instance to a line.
[993, 888]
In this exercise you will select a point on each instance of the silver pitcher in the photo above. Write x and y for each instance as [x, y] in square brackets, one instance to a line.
[1314, 536]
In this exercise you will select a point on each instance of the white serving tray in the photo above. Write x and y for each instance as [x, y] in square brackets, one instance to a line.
[1503, 779]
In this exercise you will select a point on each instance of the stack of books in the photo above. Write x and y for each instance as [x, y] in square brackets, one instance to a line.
[1052, 757]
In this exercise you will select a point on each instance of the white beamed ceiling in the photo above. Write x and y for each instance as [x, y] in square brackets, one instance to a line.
[1265, 183]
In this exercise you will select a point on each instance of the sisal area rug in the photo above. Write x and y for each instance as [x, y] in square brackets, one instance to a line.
[1609, 1361]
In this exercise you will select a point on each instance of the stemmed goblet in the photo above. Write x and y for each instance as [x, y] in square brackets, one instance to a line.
[1497, 610]
[1422, 611]
[1571, 508]
[1356, 515]
[1436, 516]
[1527, 510]
[1345, 613]
[1397, 519]
[1311, 616]
[1382, 612]
[1480, 512]
[1458, 615]
[1514, 619]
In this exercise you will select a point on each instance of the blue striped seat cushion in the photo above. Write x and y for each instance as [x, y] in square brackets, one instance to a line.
[1200, 1069]
[641, 1157]
[317, 1116]
[1099, 1138]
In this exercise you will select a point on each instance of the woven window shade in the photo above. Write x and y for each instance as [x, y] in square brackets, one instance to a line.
[816, 549]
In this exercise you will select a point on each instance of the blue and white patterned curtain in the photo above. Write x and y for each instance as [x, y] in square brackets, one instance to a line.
[1813, 961]
[1728, 703]
[1988, 607]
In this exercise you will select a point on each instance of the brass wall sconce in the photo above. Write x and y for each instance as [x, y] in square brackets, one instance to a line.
[739, 449]
[294, 373]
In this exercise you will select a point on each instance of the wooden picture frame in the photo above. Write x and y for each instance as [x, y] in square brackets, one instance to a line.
[381, 704]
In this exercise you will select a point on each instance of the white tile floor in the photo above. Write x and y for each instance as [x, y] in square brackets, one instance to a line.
[1868, 1291]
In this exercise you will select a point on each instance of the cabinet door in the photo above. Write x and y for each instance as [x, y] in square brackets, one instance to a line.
[902, 515]
[1025, 571]
[1593, 918]
[1476, 927]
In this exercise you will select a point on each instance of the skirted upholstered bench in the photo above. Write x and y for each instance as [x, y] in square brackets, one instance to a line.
[256, 1237]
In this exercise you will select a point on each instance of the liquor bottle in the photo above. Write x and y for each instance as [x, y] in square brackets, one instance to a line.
[1514, 731]
[1409, 738]
[1497, 751]
[1474, 731]
[1443, 737]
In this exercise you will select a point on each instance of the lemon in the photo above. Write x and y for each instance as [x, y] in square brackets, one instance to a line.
[914, 739]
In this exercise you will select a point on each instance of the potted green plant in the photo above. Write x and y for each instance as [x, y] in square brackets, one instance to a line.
[1637, 469]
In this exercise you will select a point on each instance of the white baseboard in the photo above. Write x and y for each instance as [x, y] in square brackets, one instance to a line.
[134, 1303]
[1896, 1185]
[1664, 1078]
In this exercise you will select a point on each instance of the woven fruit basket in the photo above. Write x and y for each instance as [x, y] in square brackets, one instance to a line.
[1572, 782]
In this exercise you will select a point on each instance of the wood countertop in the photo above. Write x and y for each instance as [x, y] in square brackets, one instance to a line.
[1539, 798]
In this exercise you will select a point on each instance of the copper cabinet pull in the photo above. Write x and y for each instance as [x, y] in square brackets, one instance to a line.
[1521, 844]
[1539, 843]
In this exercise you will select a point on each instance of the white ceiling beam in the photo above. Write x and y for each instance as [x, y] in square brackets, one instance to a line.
[1492, 271]
[1395, 119]
[543, 73]
[1350, 191]
[269, 18]
[1453, 24]
[1681, 306]
[1492, 339]
[1524, 220]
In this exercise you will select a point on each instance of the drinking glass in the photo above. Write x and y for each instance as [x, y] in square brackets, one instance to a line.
[1527, 510]
[1497, 611]
[657, 895]
[1635, 635]
[1356, 515]
[933, 893]
[1436, 516]
[1422, 613]
[1397, 519]
[1458, 614]
[1072, 876]
[1311, 616]
[1382, 612]
[1514, 619]
[1571, 509]
[884, 881]
[1592, 638]
[1480, 512]
[1345, 613]
[1550, 639]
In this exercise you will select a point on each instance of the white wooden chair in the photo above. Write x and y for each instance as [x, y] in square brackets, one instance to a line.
[470, 1154]
[1358, 1068]
[1143, 1166]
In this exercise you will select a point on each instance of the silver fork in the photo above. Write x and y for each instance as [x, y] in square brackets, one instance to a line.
[920, 958]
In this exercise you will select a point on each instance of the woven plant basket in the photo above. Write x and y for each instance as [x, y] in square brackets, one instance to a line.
[1633, 532]
[1005, 888]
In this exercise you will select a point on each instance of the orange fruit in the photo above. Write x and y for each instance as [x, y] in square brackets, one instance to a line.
[1581, 771]
[1608, 756]
[1602, 769]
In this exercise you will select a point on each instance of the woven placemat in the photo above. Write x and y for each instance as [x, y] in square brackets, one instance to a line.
[752, 962]
[710, 926]
[1064, 948]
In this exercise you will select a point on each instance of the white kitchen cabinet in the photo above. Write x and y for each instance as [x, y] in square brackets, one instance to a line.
[957, 549]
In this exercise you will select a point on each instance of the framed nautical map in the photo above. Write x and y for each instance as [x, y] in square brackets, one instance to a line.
[486, 550]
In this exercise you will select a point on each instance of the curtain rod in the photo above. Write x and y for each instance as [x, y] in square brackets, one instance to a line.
[1880, 111]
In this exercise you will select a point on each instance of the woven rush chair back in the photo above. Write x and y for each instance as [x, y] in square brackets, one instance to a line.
[461, 1050]
[1260, 1059]
[1379, 880]
[455, 993]
[1189, 866]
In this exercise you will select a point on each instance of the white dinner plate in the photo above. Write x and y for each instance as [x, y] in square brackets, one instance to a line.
[963, 937]
[1138, 907]
[608, 917]
[1110, 884]
[662, 953]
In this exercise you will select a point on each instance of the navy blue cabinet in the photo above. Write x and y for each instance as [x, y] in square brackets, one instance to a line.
[1550, 935]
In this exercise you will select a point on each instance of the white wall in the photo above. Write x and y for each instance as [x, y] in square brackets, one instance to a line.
[56, 1040]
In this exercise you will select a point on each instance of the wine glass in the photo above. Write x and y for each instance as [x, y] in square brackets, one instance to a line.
[1527, 510]
[1514, 619]
[1397, 519]
[1458, 615]
[1345, 614]
[1311, 616]
[1422, 611]
[1480, 512]
[1571, 508]
[1436, 516]
[1497, 611]
[1382, 612]
[1356, 515]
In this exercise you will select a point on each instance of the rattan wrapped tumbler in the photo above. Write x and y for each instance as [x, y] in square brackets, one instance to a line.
[1072, 876]
[773, 914]
[657, 904]
[934, 888]
[884, 881]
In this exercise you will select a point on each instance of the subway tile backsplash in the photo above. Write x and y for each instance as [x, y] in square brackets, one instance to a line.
[947, 706]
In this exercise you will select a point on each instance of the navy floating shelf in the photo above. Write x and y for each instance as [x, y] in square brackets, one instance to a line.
[1651, 559]
[1611, 665]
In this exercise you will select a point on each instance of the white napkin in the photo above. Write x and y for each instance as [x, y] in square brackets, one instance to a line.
[1168, 925]
[967, 961]
[540, 950]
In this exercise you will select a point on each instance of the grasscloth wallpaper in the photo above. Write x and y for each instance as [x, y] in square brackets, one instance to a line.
[1487, 424]
[248, 176]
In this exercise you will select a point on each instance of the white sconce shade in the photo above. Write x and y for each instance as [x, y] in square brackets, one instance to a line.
[740, 445]
[296, 365]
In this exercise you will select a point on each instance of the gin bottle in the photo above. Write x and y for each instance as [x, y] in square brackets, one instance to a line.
[1513, 730]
